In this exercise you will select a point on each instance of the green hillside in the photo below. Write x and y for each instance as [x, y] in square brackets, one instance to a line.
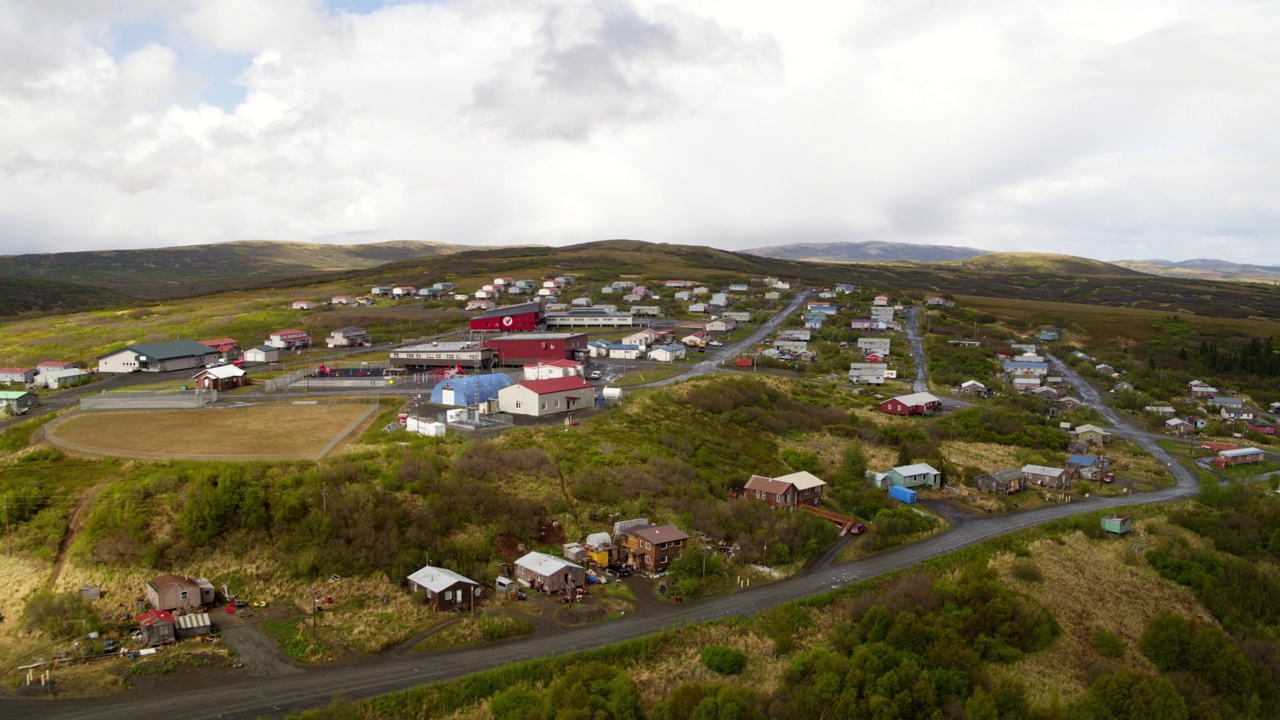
[1040, 263]
[201, 269]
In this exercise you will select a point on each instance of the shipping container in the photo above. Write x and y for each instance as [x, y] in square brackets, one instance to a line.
[903, 494]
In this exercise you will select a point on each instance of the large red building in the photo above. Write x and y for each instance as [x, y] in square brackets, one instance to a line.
[533, 348]
[525, 317]
[914, 404]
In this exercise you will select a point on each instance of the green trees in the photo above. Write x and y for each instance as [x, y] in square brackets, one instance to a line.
[1133, 695]
[724, 660]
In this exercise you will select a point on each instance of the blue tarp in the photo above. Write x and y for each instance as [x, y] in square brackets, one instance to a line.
[470, 389]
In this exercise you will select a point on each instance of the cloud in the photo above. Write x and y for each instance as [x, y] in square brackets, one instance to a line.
[1084, 127]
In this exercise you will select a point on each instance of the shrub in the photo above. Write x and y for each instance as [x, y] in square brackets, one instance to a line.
[724, 660]
[1107, 644]
[1025, 569]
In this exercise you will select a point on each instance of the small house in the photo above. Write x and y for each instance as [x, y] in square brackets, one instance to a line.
[1087, 467]
[921, 403]
[1092, 434]
[174, 592]
[262, 354]
[289, 339]
[1006, 481]
[18, 402]
[973, 388]
[1053, 478]
[17, 376]
[303, 305]
[668, 353]
[348, 337]
[443, 589]
[343, 300]
[1237, 456]
[909, 476]
[549, 573]
[788, 491]
[222, 377]
[1179, 427]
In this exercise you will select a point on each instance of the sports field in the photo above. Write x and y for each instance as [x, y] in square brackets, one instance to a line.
[246, 432]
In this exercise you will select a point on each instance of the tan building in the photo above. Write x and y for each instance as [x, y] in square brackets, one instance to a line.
[538, 398]
[174, 592]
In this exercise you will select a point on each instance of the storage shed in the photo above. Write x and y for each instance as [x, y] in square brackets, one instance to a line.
[193, 624]
[1118, 524]
[157, 627]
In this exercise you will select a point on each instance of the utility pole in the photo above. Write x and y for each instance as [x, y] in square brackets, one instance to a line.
[324, 498]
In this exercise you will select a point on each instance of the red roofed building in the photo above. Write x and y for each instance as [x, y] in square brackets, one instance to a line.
[538, 398]
[54, 365]
[532, 348]
[226, 347]
[157, 626]
[524, 317]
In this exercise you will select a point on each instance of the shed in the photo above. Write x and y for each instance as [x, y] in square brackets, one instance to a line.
[599, 547]
[157, 627]
[1118, 524]
[193, 624]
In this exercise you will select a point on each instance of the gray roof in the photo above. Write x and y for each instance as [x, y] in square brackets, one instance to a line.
[166, 350]
[438, 579]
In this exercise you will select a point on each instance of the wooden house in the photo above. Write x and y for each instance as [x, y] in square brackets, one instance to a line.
[549, 573]
[1007, 481]
[174, 592]
[788, 491]
[651, 548]
[443, 589]
[1052, 478]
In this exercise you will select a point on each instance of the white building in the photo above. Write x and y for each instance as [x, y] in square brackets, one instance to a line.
[538, 398]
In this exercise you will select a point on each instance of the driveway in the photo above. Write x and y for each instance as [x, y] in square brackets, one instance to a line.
[257, 653]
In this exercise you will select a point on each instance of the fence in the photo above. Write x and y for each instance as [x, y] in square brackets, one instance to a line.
[148, 399]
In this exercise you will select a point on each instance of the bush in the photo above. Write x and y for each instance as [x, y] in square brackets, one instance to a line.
[724, 660]
[1025, 569]
[1107, 644]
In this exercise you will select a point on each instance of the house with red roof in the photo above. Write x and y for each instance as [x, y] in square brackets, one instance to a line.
[157, 627]
[538, 398]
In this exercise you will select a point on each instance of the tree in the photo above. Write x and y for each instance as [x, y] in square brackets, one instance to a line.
[1133, 695]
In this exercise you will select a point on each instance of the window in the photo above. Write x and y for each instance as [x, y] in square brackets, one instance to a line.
[662, 560]
[544, 405]
[648, 546]
[519, 404]
[183, 595]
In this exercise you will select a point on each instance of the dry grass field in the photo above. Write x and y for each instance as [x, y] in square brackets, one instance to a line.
[253, 431]
[1087, 585]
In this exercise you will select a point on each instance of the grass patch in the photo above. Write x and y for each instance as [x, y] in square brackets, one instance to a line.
[648, 375]
[480, 629]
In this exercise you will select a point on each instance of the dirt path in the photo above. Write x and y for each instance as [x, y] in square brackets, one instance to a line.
[258, 654]
[408, 645]
[645, 592]
[75, 523]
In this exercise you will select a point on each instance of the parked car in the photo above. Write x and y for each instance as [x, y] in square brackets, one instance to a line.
[1109, 477]
[595, 374]
[858, 528]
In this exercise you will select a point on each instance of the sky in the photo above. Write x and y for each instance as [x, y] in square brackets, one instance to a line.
[1134, 130]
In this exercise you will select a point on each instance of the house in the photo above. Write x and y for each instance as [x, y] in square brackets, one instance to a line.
[157, 627]
[1018, 368]
[823, 308]
[443, 589]
[1044, 391]
[228, 348]
[737, 316]
[788, 491]
[538, 398]
[699, 308]
[1070, 403]
[598, 316]
[303, 305]
[678, 283]
[1262, 427]
[1087, 467]
[867, 373]
[63, 378]
[939, 302]
[381, 291]
[222, 377]
[877, 346]
[174, 592]
[365, 301]
[867, 324]
[880, 301]
[523, 349]
[289, 339]
[1092, 434]
[719, 299]
[45, 365]
[403, 291]
[1053, 478]
[646, 311]
[651, 548]
[921, 403]
[1026, 384]
[1238, 456]
[739, 287]
[1049, 334]
[1006, 481]
[17, 376]
[262, 354]
[480, 305]
[431, 293]
[697, 339]
[668, 353]
[549, 573]
[1179, 427]
[1105, 369]
[1236, 413]
[644, 338]
[1161, 410]
[1123, 386]
[18, 402]
[701, 290]
[721, 325]
[619, 351]
[909, 476]
[521, 317]
[343, 300]
[882, 314]
[973, 388]
[349, 337]
[158, 357]
[553, 369]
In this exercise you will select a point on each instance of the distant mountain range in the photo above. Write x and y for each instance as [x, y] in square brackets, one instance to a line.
[1204, 269]
[849, 252]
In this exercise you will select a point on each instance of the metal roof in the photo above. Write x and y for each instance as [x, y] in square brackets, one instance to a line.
[1042, 470]
[166, 350]
[438, 579]
[544, 564]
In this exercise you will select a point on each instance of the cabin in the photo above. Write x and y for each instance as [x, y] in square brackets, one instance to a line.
[549, 573]
[1006, 481]
[444, 590]
[349, 337]
[174, 592]
[909, 476]
[222, 377]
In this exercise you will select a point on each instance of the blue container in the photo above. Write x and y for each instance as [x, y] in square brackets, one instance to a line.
[902, 494]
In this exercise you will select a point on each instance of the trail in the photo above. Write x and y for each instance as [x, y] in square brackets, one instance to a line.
[75, 523]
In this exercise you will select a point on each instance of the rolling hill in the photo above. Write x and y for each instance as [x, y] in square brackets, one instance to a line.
[1041, 263]
[849, 252]
[1205, 269]
[191, 270]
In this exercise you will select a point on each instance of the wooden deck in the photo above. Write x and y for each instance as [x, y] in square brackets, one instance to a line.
[845, 522]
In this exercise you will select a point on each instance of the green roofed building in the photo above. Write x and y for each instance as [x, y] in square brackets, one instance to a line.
[18, 402]
[158, 357]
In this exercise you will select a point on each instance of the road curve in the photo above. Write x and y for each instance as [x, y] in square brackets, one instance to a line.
[389, 673]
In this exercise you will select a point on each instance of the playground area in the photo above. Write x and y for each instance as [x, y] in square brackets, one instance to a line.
[296, 430]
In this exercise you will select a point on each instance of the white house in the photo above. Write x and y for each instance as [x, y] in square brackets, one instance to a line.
[668, 353]
[17, 376]
[878, 346]
[553, 369]
[619, 351]
[538, 398]
[721, 325]
[867, 373]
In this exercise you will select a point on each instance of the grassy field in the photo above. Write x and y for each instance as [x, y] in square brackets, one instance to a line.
[251, 431]
[647, 375]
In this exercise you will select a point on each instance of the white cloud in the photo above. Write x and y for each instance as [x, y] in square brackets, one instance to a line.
[1141, 130]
